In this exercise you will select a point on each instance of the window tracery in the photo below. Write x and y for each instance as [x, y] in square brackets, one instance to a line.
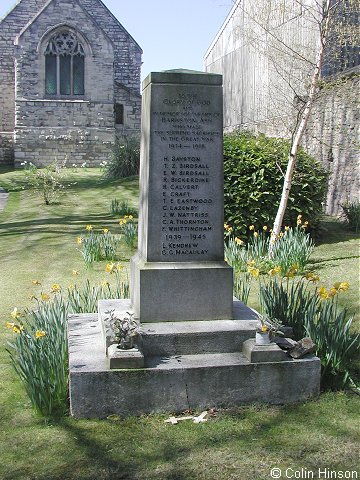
[64, 65]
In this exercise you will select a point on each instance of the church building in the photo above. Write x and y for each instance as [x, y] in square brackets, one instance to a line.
[70, 82]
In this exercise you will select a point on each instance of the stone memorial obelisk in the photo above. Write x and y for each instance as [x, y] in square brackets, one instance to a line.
[178, 272]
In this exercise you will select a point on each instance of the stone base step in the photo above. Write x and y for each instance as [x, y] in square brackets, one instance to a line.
[177, 383]
[185, 338]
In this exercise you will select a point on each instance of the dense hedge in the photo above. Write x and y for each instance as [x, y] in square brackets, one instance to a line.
[253, 181]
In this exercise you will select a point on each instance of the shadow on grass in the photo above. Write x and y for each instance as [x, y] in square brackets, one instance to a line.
[43, 225]
[335, 231]
[147, 449]
[325, 263]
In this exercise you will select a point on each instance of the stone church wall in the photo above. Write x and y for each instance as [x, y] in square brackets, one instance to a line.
[55, 128]
[79, 129]
[9, 29]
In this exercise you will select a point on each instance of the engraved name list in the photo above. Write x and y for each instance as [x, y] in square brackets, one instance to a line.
[187, 135]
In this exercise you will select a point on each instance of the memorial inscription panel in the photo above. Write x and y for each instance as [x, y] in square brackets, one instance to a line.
[185, 221]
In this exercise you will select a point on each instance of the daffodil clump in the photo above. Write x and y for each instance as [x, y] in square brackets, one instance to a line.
[97, 245]
[38, 348]
[129, 230]
[313, 310]
[290, 253]
[38, 352]
[122, 208]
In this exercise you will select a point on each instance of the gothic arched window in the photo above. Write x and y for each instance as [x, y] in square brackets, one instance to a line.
[64, 65]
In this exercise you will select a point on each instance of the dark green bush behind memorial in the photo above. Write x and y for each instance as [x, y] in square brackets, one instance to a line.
[254, 166]
[125, 161]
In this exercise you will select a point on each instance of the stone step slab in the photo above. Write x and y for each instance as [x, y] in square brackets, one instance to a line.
[177, 383]
[185, 338]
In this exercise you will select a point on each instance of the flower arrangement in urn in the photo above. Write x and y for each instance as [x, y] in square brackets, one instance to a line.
[126, 330]
[267, 330]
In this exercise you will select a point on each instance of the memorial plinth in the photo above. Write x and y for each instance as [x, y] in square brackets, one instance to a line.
[197, 345]
[178, 272]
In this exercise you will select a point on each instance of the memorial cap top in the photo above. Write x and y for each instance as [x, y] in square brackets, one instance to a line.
[183, 76]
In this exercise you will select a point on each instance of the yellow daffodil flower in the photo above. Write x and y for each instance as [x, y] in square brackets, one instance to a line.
[322, 292]
[264, 328]
[251, 227]
[40, 334]
[256, 234]
[10, 325]
[110, 268]
[274, 271]
[130, 217]
[17, 328]
[71, 286]
[292, 271]
[332, 292]
[238, 241]
[287, 228]
[311, 277]
[89, 228]
[36, 282]
[254, 272]
[265, 228]
[105, 284]
[75, 272]
[343, 286]
[45, 297]
[105, 230]
[79, 240]
[55, 288]
[15, 313]
[251, 263]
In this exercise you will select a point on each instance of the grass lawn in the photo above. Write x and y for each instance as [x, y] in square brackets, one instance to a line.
[39, 242]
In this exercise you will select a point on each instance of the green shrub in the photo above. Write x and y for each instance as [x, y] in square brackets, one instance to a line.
[47, 182]
[352, 215]
[253, 181]
[125, 161]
